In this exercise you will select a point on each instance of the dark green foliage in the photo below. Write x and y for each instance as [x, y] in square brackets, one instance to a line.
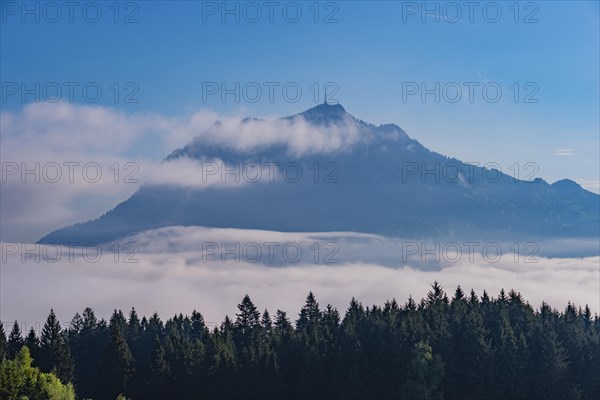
[15, 341]
[32, 343]
[425, 374]
[465, 347]
[87, 345]
[55, 354]
[3, 343]
[117, 365]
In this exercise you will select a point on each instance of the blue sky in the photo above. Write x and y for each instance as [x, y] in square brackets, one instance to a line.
[374, 48]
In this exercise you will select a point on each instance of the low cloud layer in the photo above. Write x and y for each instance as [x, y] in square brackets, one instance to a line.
[166, 271]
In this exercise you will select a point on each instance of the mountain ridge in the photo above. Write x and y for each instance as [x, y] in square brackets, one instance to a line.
[376, 191]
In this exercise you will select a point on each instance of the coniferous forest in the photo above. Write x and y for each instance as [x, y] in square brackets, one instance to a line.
[457, 346]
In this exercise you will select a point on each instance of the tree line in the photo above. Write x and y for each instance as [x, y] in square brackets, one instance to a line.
[463, 347]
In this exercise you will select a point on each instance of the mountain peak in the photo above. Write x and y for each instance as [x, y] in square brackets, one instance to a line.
[325, 114]
[567, 183]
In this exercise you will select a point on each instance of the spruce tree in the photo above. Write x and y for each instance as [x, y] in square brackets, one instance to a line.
[550, 361]
[134, 328]
[76, 325]
[117, 363]
[352, 352]
[464, 348]
[55, 354]
[425, 374]
[506, 360]
[87, 349]
[310, 316]
[33, 344]
[266, 322]
[3, 343]
[283, 332]
[247, 337]
[247, 327]
[15, 341]
[199, 330]
[158, 372]
[437, 318]
[248, 318]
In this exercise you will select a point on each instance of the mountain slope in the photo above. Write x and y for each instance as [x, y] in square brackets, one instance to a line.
[355, 177]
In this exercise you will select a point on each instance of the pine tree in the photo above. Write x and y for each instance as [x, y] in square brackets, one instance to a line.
[306, 343]
[247, 338]
[310, 315]
[485, 298]
[55, 354]
[87, 349]
[247, 325]
[266, 322]
[283, 332]
[33, 344]
[158, 372]
[436, 296]
[506, 361]
[199, 330]
[502, 298]
[470, 359]
[473, 299]
[134, 328]
[464, 348]
[283, 326]
[459, 294]
[267, 364]
[352, 352]
[15, 341]
[587, 316]
[425, 374]
[437, 319]
[3, 343]
[75, 326]
[222, 352]
[90, 322]
[118, 364]
[550, 361]
[328, 342]
[134, 341]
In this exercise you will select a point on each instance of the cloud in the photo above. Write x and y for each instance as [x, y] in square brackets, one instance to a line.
[590, 184]
[64, 163]
[171, 276]
[67, 128]
[564, 152]
[297, 135]
[196, 174]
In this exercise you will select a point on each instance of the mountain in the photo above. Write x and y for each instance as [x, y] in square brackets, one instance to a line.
[355, 177]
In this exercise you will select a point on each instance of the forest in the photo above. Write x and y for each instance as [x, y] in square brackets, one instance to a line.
[457, 346]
